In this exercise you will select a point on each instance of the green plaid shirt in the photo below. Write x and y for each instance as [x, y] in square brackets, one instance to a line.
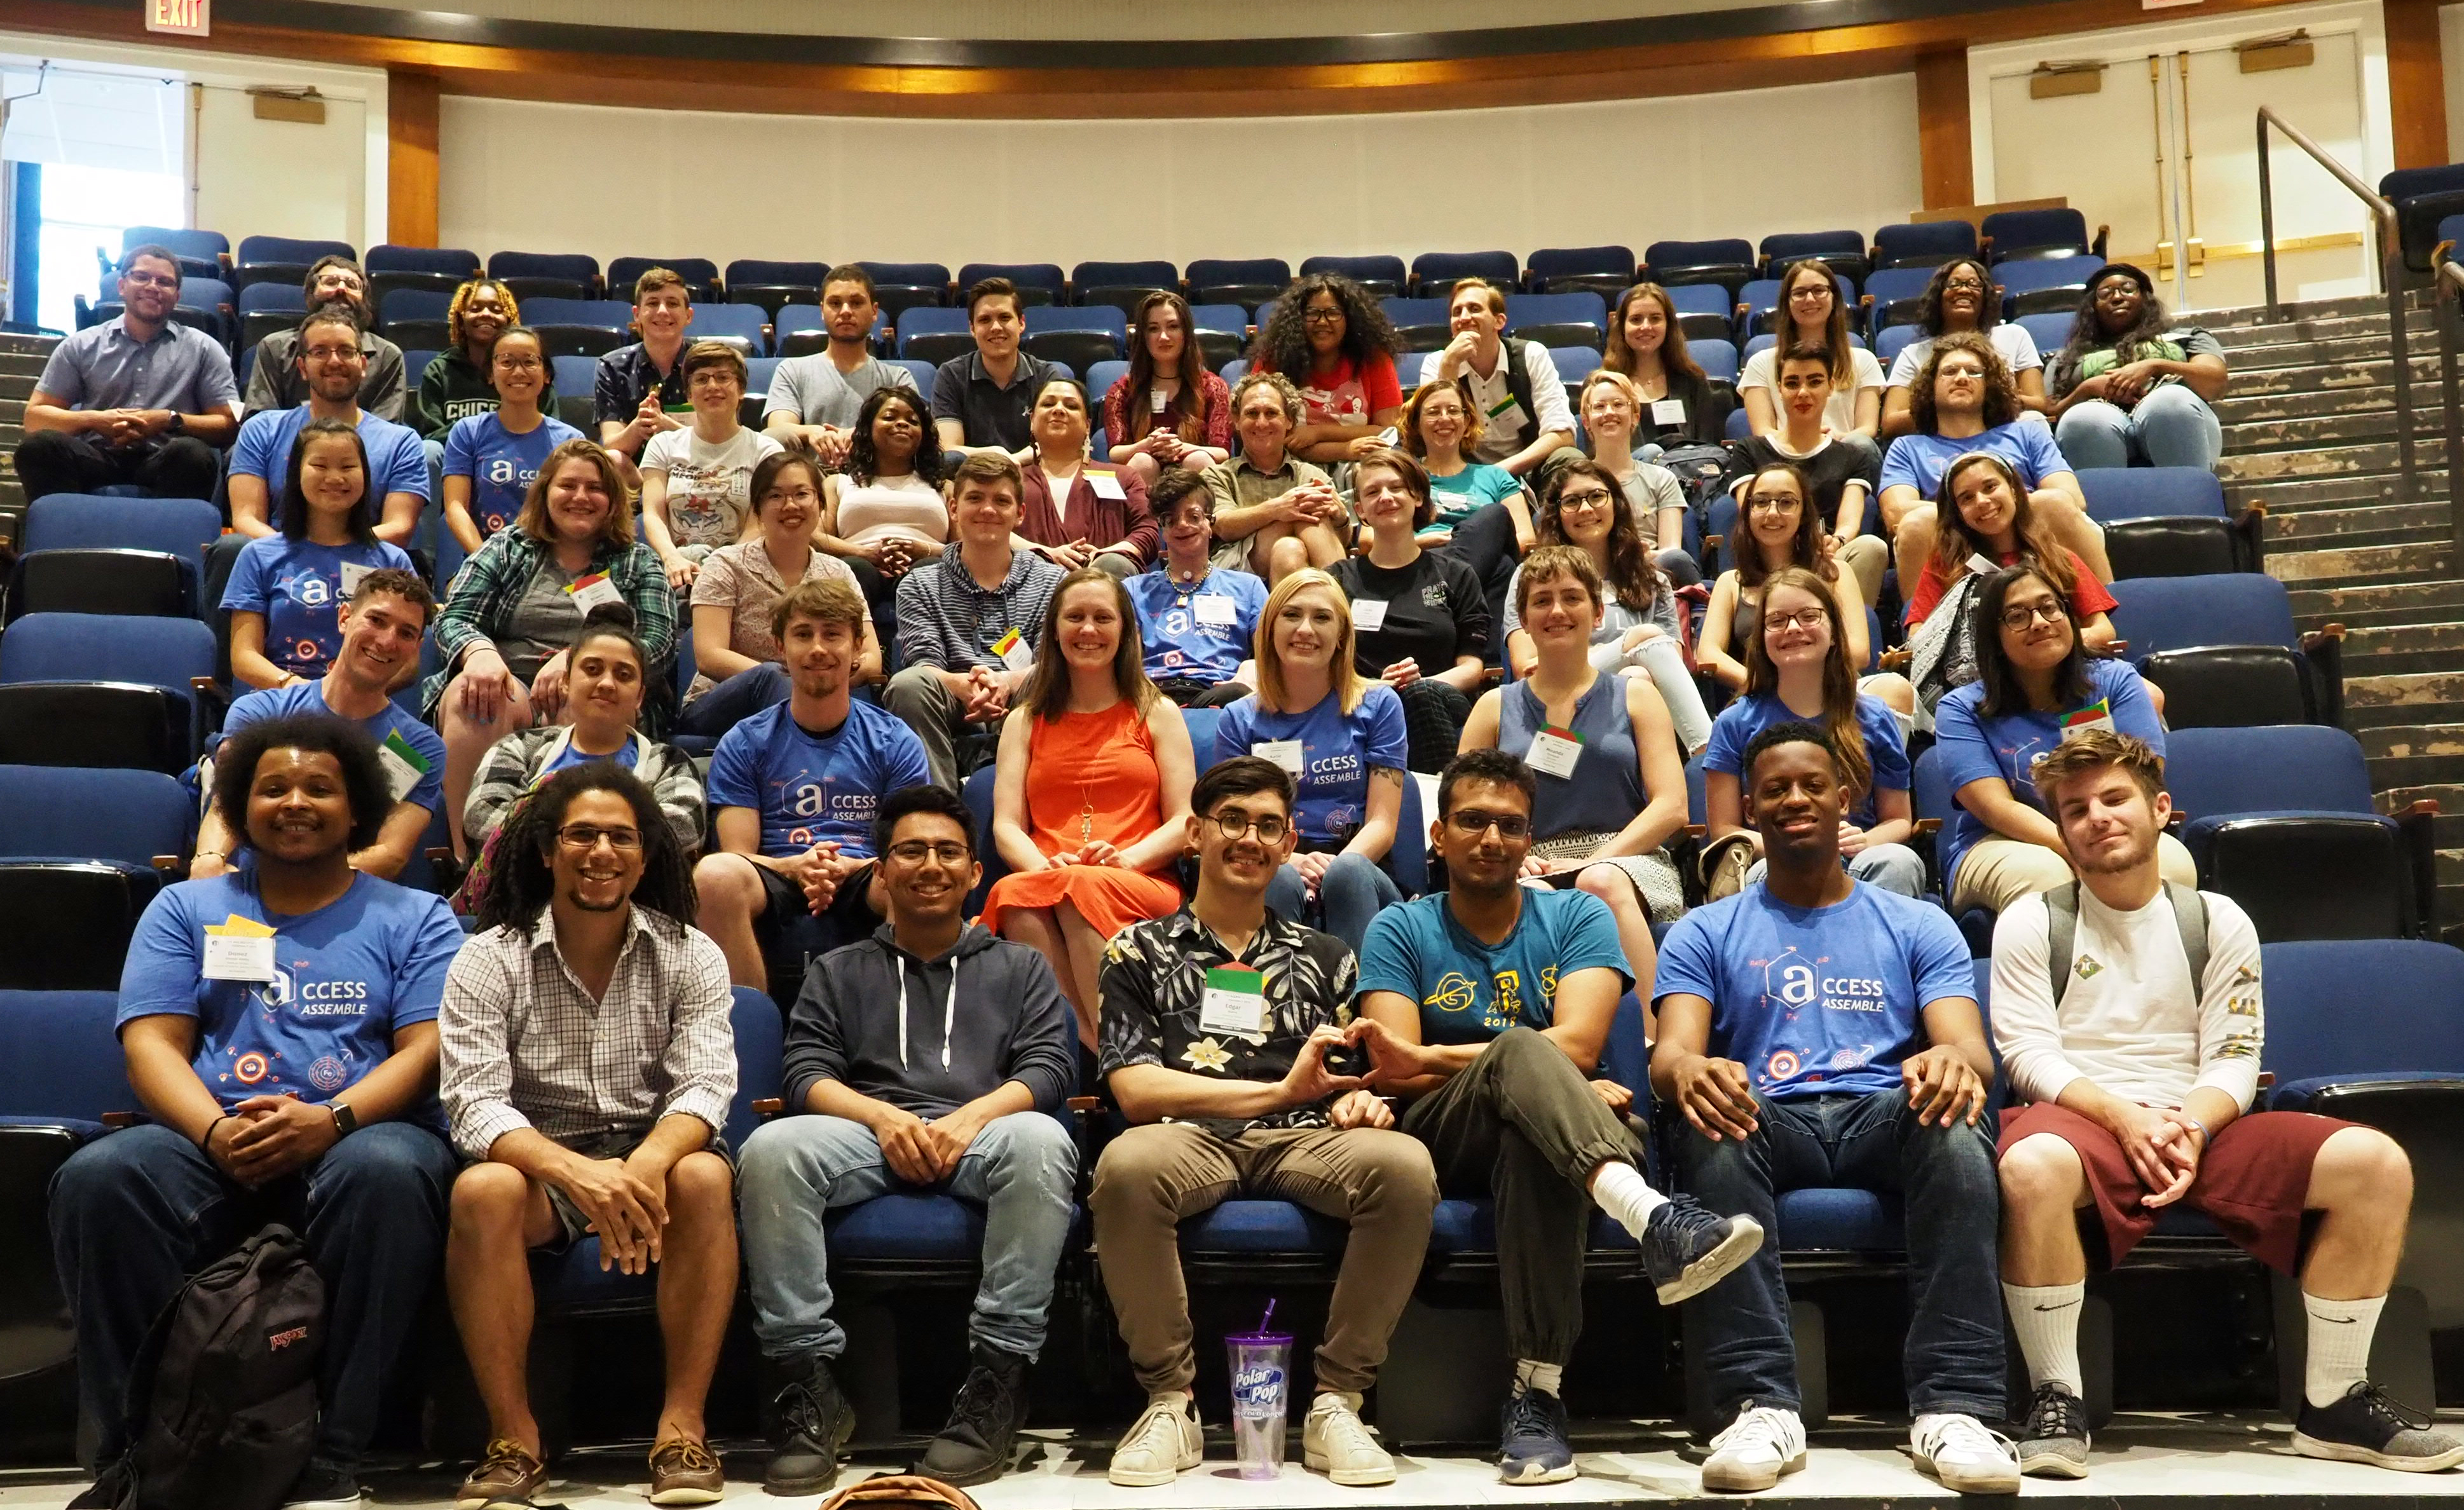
[493, 583]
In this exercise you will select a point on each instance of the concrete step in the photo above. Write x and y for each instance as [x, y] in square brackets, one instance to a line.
[2369, 605]
[2237, 408]
[2377, 458]
[2352, 527]
[2363, 564]
[2371, 347]
[2402, 698]
[2302, 494]
[2260, 436]
[2419, 326]
[2343, 306]
[2376, 370]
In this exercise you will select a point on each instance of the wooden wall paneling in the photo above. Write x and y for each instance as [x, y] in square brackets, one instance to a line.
[1944, 156]
[2416, 83]
[411, 172]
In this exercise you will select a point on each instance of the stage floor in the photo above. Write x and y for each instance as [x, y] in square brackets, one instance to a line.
[2228, 1462]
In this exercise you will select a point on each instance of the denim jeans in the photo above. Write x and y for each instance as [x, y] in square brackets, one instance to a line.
[2172, 427]
[1893, 867]
[1349, 896]
[755, 690]
[135, 1212]
[1952, 1360]
[1021, 1170]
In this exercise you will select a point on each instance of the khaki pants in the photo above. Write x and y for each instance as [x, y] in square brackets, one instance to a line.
[1866, 558]
[1151, 1178]
[1999, 871]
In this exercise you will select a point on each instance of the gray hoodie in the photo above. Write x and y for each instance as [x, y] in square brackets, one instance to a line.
[928, 1035]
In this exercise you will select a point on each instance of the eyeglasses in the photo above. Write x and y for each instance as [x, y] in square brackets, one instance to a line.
[2019, 616]
[150, 280]
[1812, 290]
[1322, 317]
[518, 363]
[915, 851]
[1588, 496]
[1806, 618]
[1471, 823]
[1233, 824]
[1963, 286]
[330, 353]
[583, 836]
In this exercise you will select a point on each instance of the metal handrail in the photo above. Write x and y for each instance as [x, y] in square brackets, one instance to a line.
[2390, 274]
[2447, 294]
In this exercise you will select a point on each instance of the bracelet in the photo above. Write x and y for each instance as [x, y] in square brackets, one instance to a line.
[218, 854]
[205, 1143]
[2205, 1136]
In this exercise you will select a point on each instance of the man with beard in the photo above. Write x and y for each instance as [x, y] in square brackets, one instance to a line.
[794, 788]
[274, 382]
[814, 400]
[1818, 1031]
[2129, 1012]
[332, 365]
[589, 1067]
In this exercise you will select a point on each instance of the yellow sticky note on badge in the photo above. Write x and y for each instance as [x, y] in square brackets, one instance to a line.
[238, 926]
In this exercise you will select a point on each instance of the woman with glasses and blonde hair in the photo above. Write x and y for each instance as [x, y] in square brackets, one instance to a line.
[1341, 737]
[1167, 410]
[1797, 671]
[1091, 792]
[1612, 784]
[1612, 408]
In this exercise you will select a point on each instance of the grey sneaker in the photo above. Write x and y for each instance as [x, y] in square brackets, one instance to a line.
[2370, 1425]
[2054, 1443]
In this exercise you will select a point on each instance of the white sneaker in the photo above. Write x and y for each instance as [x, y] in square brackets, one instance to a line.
[1965, 1456]
[1761, 1444]
[1165, 1440]
[1336, 1442]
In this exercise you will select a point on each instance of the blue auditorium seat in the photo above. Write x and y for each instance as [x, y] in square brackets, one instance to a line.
[2031, 234]
[80, 851]
[552, 274]
[282, 260]
[181, 527]
[264, 308]
[2138, 492]
[1575, 319]
[2045, 285]
[1384, 277]
[1433, 273]
[1924, 246]
[1718, 359]
[796, 330]
[90, 684]
[730, 323]
[2423, 198]
[2051, 331]
[1605, 271]
[1036, 282]
[901, 286]
[1704, 310]
[699, 272]
[1729, 262]
[1894, 293]
[1121, 284]
[934, 334]
[1843, 251]
[1247, 282]
[1076, 338]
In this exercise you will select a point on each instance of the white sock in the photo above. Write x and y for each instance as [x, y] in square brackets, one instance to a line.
[1626, 1196]
[2338, 1354]
[2046, 1317]
[1532, 1374]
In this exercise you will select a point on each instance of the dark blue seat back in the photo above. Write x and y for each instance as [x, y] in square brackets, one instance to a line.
[699, 272]
[2138, 492]
[1923, 246]
[760, 1051]
[574, 265]
[62, 1048]
[2019, 232]
[65, 812]
[1433, 273]
[1378, 274]
[451, 260]
[1608, 264]
[79, 521]
[2349, 1007]
[596, 313]
[1156, 274]
[1045, 277]
[2275, 768]
[106, 647]
[2173, 613]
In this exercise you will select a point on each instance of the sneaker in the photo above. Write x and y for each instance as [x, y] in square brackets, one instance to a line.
[684, 1472]
[991, 1405]
[1687, 1250]
[323, 1486]
[1336, 1442]
[2370, 1425]
[1165, 1440]
[811, 1423]
[2054, 1443]
[1964, 1454]
[1533, 1447]
[507, 1475]
[1762, 1443]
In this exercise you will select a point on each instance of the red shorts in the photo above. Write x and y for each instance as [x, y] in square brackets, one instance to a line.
[2252, 1182]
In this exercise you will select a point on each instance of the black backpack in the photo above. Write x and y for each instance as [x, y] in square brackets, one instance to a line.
[222, 1401]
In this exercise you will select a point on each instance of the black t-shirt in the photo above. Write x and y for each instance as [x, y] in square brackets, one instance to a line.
[1435, 612]
[1707, 417]
[1829, 469]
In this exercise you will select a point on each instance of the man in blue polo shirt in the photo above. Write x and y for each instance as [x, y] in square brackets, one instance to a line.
[794, 789]
[1818, 1031]
[1198, 620]
[279, 1028]
[381, 630]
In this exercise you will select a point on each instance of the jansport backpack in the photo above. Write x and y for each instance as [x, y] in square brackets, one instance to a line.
[222, 1402]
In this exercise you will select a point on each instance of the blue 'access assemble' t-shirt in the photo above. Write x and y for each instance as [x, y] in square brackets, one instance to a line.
[308, 697]
[1972, 747]
[1337, 751]
[298, 586]
[397, 462]
[1470, 992]
[1746, 717]
[1174, 621]
[1818, 1001]
[816, 789]
[346, 978]
[502, 465]
[1920, 460]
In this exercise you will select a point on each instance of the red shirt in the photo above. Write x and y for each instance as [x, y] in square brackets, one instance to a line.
[1346, 395]
[2088, 597]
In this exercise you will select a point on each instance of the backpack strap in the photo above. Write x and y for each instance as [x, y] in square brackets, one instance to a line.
[2190, 916]
[1518, 382]
[2061, 930]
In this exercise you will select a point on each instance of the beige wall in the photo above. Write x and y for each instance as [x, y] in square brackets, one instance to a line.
[671, 183]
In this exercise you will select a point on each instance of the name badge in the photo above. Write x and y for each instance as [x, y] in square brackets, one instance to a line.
[1234, 1003]
[1285, 752]
[2087, 719]
[1390, 436]
[1107, 485]
[1668, 411]
[403, 765]
[593, 591]
[238, 950]
[352, 576]
[1014, 651]
[1156, 400]
[1982, 565]
[1554, 751]
[1368, 614]
[1217, 610]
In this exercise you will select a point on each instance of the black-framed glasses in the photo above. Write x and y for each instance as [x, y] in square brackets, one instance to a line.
[915, 851]
[1589, 496]
[1963, 286]
[585, 837]
[1808, 620]
[1471, 821]
[1322, 317]
[150, 280]
[1270, 828]
[2019, 616]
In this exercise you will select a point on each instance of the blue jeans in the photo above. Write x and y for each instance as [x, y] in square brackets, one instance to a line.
[2170, 427]
[1020, 1169]
[135, 1212]
[753, 691]
[1893, 867]
[1952, 1360]
[1349, 896]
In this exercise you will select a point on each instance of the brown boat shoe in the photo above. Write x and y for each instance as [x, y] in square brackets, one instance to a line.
[684, 1472]
[507, 1475]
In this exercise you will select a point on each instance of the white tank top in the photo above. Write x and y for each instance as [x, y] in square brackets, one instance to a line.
[889, 509]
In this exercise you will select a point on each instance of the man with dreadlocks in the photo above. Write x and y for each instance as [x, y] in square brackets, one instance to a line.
[587, 1068]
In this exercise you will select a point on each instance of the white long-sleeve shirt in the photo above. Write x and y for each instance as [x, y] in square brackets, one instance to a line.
[2130, 1020]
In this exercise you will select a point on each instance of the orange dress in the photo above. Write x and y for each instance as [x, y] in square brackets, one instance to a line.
[1091, 776]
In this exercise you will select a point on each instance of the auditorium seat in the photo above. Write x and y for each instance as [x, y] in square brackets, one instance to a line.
[934, 334]
[2183, 545]
[1578, 317]
[1078, 338]
[1843, 251]
[1222, 330]
[95, 690]
[1893, 341]
[2236, 686]
[2045, 285]
[1247, 282]
[701, 273]
[759, 371]
[1893, 295]
[431, 270]
[81, 853]
[2033, 234]
[1575, 363]
[102, 580]
[1729, 262]
[1717, 358]
[1435, 273]
[182, 527]
[1928, 246]
[202, 253]
[771, 284]
[1121, 284]
[577, 382]
[2138, 492]
[546, 274]
[2051, 331]
[1036, 282]
[1704, 312]
[265, 308]
[796, 330]
[578, 327]
[2175, 625]
[1419, 323]
[741, 325]
[2423, 197]
[282, 260]
[925, 374]
[901, 286]
[1383, 277]
[1605, 271]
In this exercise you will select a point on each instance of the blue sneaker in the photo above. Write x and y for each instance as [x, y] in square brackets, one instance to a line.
[1534, 1449]
[1687, 1250]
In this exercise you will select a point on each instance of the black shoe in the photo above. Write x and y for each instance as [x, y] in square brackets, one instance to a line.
[812, 1422]
[2053, 1442]
[2370, 1425]
[1533, 1444]
[100, 1495]
[323, 1486]
[975, 1447]
[1687, 1250]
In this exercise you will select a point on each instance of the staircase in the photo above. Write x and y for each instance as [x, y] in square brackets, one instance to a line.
[21, 363]
[2310, 434]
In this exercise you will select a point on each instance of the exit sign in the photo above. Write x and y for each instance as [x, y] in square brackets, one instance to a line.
[181, 17]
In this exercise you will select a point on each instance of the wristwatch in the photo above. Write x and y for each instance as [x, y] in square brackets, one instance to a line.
[346, 1121]
[178, 424]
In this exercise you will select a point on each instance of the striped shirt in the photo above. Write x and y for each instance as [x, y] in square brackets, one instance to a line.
[946, 619]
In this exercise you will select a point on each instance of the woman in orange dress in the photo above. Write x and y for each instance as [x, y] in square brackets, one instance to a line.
[1090, 795]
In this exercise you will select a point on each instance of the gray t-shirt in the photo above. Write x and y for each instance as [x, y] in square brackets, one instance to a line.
[814, 390]
[544, 622]
[105, 367]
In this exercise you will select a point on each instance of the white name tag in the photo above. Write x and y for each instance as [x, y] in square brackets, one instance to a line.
[1019, 657]
[403, 766]
[1213, 608]
[352, 576]
[1554, 753]
[1368, 614]
[1668, 411]
[1285, 752]
[1157, 399]
[594, 592]
[230, 956]
[1234, 1003]
[1107, 485]
[1982, 565]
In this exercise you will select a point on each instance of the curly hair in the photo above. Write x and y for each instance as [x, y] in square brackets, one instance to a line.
[1954, 543]
[1282, 342]
[1838, 674]
[1295, 408]
[364, 778]
[863, 461]
[521, 888]
[462, 297]
[2001, 393]
[1187, 408]
[2088, 334]
[1988, 308]
[1618, 357]
[1631, 571]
